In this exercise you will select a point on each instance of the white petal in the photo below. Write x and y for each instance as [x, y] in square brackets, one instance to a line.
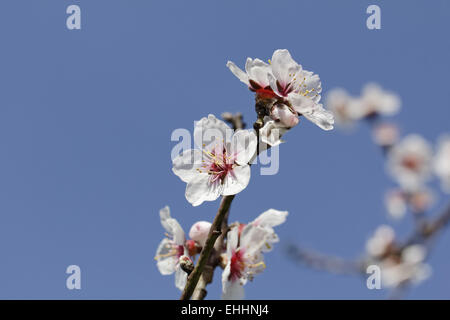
[284, 68]
[209, 131]
[309, 85]
[180, 278]
[172, 226]
[258, 71]
[243, 146]
[271, 134]
[200, 189]
[312, 111]
[241, 75]
[253, 239]
[166, 264]
[302, 104]
[236, 182]
[271, 218]
[232, 290]
[186, 164]
[232, 240]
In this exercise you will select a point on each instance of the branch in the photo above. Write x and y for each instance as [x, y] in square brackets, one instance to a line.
[323, 262]
[214, 233]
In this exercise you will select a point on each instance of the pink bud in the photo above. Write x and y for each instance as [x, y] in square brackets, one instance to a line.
[284, 115]
[199, 231]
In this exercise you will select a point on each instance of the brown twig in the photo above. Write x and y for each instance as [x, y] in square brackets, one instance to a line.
[205, 254]
[323, 262]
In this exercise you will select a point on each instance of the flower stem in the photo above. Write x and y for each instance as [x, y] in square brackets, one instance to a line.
[214, 233]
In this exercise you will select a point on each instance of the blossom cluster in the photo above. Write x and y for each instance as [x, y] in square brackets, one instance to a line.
[220, 165]
[242, 257]
[412, 162]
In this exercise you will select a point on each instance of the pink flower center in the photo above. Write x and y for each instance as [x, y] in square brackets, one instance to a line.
[237, 265]
[218, 164]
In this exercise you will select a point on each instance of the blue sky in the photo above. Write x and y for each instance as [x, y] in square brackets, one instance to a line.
[86, 118]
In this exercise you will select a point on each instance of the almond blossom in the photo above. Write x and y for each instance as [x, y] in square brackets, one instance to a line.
[244, 259]
[409, 162]
[442, 163]
[293, 91]
[221, 166]
[245, 245]
[376, 101]
[171, 249]
[398, 265]
[408, 267]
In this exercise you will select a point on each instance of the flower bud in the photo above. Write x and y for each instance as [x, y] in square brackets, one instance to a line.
[186, 264]
[199, 232]
[285, 116]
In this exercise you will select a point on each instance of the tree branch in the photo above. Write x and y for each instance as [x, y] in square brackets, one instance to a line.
[323, 262]
[214, 233]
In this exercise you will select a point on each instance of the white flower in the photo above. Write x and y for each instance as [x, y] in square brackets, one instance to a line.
[409, 267]
[245, 245]
[442, 162]
[294, 90]
[199, 231]
[409, 162]
[267, 220]
[381, 241]
[343, 106]
[221, 167]
[244, 259]
[171, 249]
[376, 101]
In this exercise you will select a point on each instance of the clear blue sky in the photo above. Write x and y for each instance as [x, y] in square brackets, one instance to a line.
[86, 118]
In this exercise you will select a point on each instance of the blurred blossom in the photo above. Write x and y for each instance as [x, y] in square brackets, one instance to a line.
[224, 168]
[395, 201]
[199, 231]
[287, 86]
[381, 241]
[343, 107]
[385, 134]
[409, 162]
[421, 200]
[376, 101]
[408, 267]
[442, 162]
[171, 249]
